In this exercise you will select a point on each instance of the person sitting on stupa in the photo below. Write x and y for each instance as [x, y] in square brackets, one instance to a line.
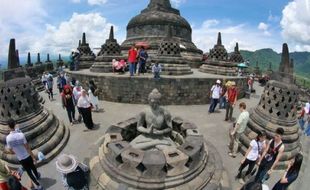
[118, 66]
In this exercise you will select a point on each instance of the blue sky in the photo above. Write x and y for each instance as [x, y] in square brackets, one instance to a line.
[55, 26]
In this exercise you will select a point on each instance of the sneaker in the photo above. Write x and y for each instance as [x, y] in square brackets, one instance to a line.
[241, 181]
[232, 155]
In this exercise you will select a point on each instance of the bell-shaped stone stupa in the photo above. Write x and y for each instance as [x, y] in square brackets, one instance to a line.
[19, 101]
[87, 57]
[152, 25]
[277, 108]
[109, 51]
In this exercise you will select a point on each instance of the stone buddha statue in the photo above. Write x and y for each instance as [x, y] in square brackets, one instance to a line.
[155, 126]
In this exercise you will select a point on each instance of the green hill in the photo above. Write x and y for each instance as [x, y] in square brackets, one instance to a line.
[266, 56]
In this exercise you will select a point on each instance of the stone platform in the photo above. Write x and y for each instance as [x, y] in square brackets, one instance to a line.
[176, 90]
[194, 164]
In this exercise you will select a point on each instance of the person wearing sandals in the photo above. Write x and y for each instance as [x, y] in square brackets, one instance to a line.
[73, 173]
[68, 102]
[252, 155]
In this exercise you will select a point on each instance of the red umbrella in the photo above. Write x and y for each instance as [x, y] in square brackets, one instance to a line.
[142, 44]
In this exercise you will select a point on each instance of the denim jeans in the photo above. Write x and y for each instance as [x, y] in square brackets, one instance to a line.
[222, 102]
[302, 123]
[307, 131]
[213, 105]
[132, 68]
[156, 75]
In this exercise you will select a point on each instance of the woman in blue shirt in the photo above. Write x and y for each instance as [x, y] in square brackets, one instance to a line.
[290, 174]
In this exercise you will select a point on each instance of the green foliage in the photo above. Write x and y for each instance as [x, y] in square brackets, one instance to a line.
[266, 56]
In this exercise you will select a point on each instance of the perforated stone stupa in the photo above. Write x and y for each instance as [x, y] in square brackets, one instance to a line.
[152, 26]
[59, 62]
[48, 63]
[218, 61]
[109, 51]
[169, 56]
[19, 101]
[277, 108]
[87, 57]
[149, 153]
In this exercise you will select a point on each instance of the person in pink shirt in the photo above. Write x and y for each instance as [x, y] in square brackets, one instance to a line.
[132, 59]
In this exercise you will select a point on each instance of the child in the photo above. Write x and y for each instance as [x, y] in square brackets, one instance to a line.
[156, 70]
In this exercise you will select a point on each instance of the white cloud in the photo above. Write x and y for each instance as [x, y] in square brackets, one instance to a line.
[63, 38]
[263, 26]
[20, 20]
[273, 18]
[97, 2]
[177, 3]
[295, 24]
[248, 38]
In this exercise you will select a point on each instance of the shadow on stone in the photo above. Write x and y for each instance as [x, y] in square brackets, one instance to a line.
[47, 182]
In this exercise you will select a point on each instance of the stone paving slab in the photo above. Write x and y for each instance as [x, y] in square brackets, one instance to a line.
[80, 144]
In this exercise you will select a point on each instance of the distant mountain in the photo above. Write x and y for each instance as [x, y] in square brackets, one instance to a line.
[266, 56]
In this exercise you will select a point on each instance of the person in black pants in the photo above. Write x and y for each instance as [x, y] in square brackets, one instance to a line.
[68, 102]
[270, 157]
[17, 144]
[85, 107]
[252, 154]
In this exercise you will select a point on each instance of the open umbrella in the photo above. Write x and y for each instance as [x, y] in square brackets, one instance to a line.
[242, 65]
[142, 44]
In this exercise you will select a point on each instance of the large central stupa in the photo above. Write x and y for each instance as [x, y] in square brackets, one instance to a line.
[152, 26]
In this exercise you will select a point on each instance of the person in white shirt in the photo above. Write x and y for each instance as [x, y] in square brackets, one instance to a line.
[238, 129]
[17, 144]
[253, 153]
[85, 107]
[216, 92]
[156, 70]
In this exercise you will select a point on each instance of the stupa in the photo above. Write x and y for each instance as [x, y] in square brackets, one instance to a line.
[152, 26]
[218, 61]
[19, 101]
[172, 155]
[87, 57]
[29, 63]
[109, 51]
[60, 62]
[38, 66]
[277, 108]
[169, 56]
[49, 64]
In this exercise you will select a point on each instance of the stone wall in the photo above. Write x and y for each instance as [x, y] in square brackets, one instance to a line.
[175, 90]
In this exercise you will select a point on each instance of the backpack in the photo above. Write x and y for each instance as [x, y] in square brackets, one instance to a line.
[77, 179]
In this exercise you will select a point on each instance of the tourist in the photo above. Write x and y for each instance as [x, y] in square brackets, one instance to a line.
[304, 116]
[68, 102]
[17, 144]
[5, 173]
[77, 90]
[132, 59]
[254, 185]
[142, 60]
[271, 156]
[231, 97]
[49, 87]
[73, 173]
[118, 66]
[216, 92]
[44, 78]
[291, 173]
[85, 107]
[238, 129]
[14, 184]
[250, 83]
[93, 95]
[61, 82]
[73, 82]
[156, 70]
[252, 155]
[222, 103]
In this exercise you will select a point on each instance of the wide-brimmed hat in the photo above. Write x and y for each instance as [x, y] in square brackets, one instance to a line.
[66, 163]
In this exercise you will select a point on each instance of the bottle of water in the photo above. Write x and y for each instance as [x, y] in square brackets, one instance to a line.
[41, 156]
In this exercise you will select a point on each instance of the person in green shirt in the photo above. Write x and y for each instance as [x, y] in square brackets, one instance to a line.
[238, 129]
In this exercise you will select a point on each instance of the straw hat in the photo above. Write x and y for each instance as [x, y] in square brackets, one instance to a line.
[233, 83]
[228, 83]
[66, 163]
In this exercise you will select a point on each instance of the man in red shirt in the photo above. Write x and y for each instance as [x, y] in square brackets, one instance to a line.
[132, 59]
[231, 97]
